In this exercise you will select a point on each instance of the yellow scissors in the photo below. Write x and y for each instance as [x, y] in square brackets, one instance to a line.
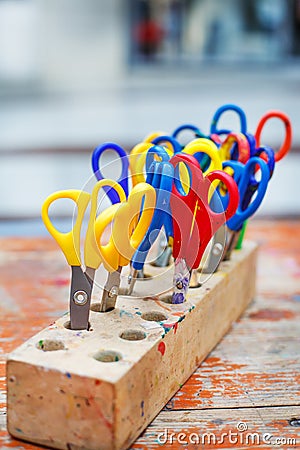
[130, 221]
[82, 280]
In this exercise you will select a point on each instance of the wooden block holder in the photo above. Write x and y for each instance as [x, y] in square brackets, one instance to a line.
[99, 389]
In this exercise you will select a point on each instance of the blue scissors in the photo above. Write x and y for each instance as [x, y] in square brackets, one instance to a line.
[123, 180]
[156, 150]
[228, 107]
[160, 176]
[243, 176]
[174, 143]
[254, 184]
[188, 127]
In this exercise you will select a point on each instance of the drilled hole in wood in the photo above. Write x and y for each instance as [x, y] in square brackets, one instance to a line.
[50, 345]
[96, 308]
[107, 356]
[154, 316]
[166, 298]
[133, 335]
[67, 325]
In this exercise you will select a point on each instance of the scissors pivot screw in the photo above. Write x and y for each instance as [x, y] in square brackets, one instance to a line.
[179, 285]
[113, 291]
[80, 298]
[217, 249]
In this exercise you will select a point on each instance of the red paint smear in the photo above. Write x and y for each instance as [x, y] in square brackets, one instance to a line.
[97, 382]
[175, 327]
[56, 282]
[272, 314]
[161, 348]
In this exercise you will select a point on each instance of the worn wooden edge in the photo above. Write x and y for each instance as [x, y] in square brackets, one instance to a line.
[115, 400]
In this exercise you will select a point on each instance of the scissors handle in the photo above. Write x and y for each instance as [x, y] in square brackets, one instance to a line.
[69, 242]
[228, 107]
[207, 147]
[286, 145]
[243, 148]
[232, 189]
[160, 176]
[193, 220]
[268, 156]
[92, 256]
[187, 126]
[123, 180]
[131, 220]
[136, 164]
[175, 146]
[236, 222]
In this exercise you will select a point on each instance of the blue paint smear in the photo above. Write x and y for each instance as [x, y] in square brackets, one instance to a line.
[296, 297]
[68, 375]
[125, 313]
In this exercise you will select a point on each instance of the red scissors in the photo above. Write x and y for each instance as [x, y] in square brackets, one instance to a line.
[194, 221]
[286, 145]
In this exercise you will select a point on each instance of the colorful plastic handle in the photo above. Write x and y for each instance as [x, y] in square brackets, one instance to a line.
[92, 257]
[160, 176]
[123, 180]
[187, 126]
[286, 145]
[228, 107]
[268, 156]
[131, 220]
[205, 146]
[193, 220]
[136, 165]
[156, 152]
[69, 242]
[175, 146]
[243, 148]
[243, 175]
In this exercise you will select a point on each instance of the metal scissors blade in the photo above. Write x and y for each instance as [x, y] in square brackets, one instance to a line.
[111, 290]
[80, 298]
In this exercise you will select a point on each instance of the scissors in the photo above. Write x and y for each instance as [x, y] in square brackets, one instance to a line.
[225, 108]
[247, 205]
[236, 146]
[205, 151]
[194, 222]
[124, 177]
[160, 176]
[286, 145]
[130, 221]
[81, 280]
[170, 143]
[188, 127]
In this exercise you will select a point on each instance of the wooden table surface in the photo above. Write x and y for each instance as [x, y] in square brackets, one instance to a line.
[246, 394]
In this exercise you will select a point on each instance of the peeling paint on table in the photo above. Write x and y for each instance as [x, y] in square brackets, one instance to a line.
[252, 376]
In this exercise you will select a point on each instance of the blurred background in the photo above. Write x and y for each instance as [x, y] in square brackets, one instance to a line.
[75, 74]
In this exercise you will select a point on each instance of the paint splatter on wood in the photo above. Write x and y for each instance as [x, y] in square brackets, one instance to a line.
[252, 376]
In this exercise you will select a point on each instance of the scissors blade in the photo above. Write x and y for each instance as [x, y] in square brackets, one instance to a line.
[111, 290]
[80, 298]
[133, 276]
[216, 251]
[233, 238]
